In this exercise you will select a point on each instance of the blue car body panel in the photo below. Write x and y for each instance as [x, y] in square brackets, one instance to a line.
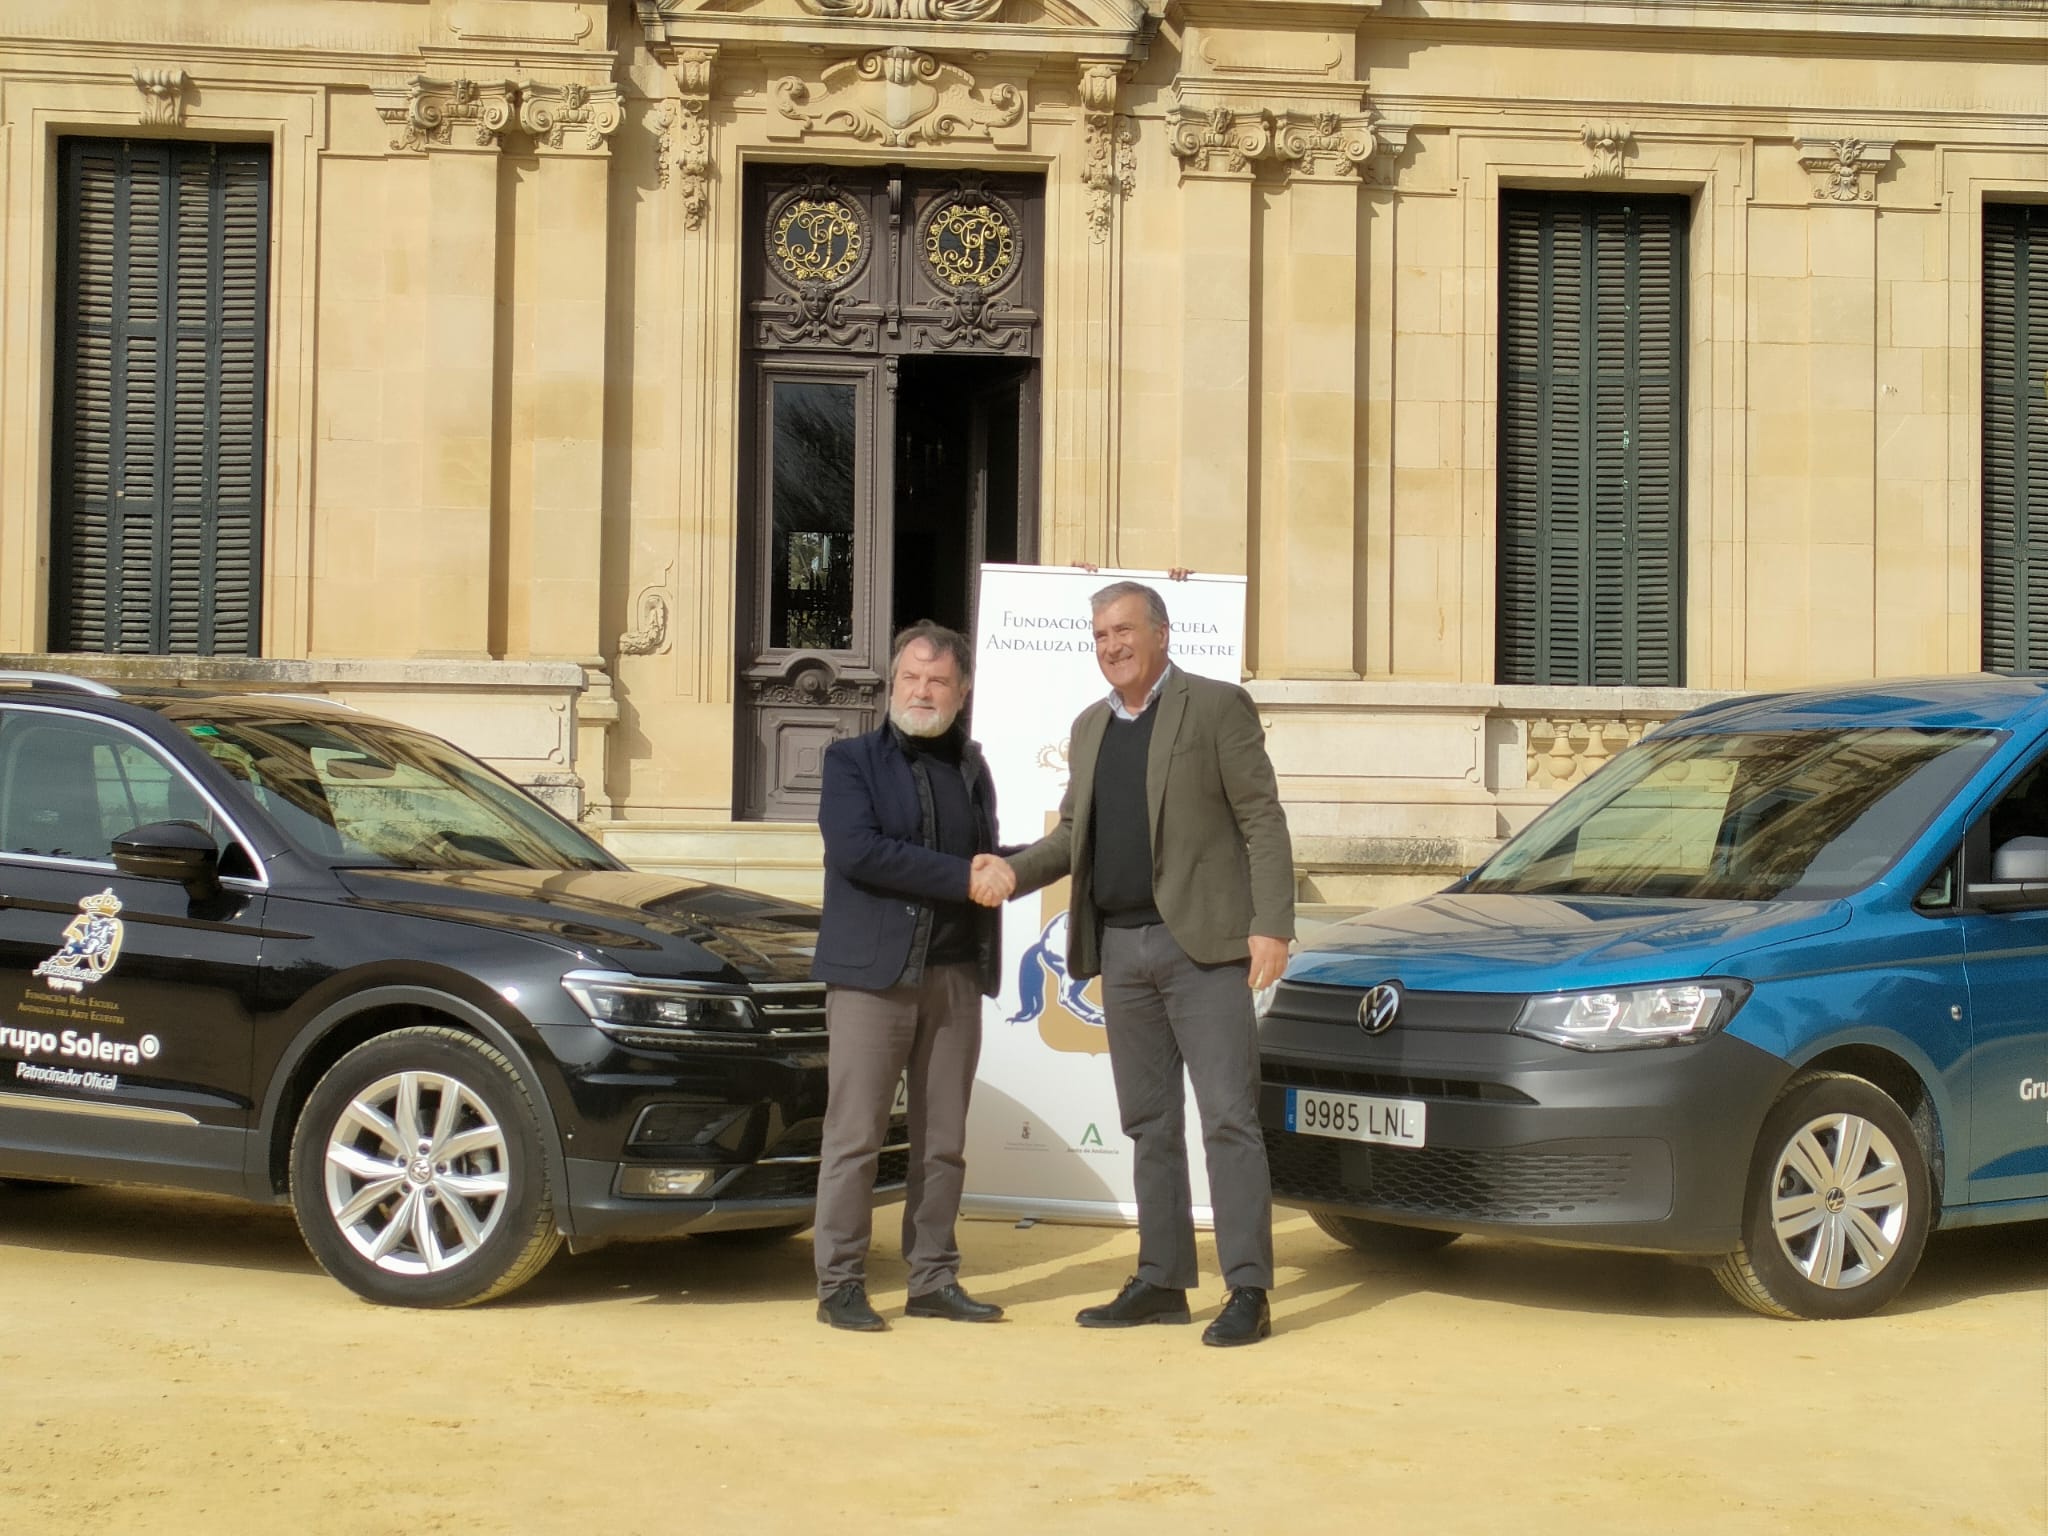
[1957, 993]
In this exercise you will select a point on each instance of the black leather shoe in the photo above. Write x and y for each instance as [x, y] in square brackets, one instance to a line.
[954, 1305]
[1138, 1302]
[1245, 1318]
[848, 1307]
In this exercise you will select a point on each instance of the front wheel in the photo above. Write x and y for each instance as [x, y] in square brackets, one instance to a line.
[1838, 1205]
[418, 1174]
[1382, 1237]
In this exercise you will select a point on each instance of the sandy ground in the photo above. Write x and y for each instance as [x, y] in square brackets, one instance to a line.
[173, 1365]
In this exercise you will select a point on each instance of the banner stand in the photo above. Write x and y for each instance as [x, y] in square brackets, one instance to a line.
[1044, 1139]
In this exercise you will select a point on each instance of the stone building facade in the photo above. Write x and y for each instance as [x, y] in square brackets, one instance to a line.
[601, 383]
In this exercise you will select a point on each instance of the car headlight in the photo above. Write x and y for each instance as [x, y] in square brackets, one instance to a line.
[1673, 1013]
[640, 1010]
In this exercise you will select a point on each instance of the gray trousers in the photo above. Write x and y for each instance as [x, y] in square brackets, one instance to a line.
[932, 1029]
[1164, 1011]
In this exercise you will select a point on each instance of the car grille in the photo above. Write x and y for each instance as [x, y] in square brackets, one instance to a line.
[791, 1007]
[799, 1180]
[1289, 1074]
[1519, 1186]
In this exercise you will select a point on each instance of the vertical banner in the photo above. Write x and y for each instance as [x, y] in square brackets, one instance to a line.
[1044, 1138]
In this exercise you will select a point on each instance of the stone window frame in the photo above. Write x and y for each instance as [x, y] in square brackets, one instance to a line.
[35, 113]
[1970, 177]
[1715, 171]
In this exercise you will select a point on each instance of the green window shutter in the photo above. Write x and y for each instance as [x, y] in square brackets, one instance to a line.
[162, 319]
[1591, 444]
[2015, 437]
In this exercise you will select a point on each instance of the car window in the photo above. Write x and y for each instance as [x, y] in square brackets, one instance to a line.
[70, 785]
[2021, 811]
[1742, 815]
[364, 792]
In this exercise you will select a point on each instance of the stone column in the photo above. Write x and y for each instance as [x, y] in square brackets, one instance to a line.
[1217, 150]
[562, 378]
[456, 124]
[1308, 530]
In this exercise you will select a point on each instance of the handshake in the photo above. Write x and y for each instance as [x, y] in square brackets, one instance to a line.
[992, 880]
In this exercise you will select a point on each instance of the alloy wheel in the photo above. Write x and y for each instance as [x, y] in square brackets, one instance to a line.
[416, 1173]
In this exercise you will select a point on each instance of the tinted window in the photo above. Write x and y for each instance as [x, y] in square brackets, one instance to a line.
[69, 786]
[1742, 817]
[365, 792]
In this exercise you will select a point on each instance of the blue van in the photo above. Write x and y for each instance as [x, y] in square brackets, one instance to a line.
[1769, 990]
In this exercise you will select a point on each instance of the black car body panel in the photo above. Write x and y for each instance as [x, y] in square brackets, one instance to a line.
[299, 953]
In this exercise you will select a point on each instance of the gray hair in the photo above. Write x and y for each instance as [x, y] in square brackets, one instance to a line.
[1155, 605]
[947, 642]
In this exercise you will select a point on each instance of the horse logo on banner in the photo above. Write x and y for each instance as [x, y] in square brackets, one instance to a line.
[1049, 996]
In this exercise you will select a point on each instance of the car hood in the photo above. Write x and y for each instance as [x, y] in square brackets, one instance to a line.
[1487, 943]
[651, 925]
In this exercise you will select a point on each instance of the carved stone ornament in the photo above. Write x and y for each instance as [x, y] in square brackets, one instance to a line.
[432, 111]
[905, 10]
[1845, 170]
[572, 116]
[649, 634]
[1220, 136]
[813, 681]
[163, 97]
[898, 97]
[1607, 146]
[1110, 164]
[1328, 138]
[1235, 141]
[686, 133]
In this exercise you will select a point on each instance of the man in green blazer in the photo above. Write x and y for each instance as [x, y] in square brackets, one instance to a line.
[1183, 902]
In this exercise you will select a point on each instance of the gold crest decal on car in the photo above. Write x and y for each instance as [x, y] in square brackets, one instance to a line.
[92, 943]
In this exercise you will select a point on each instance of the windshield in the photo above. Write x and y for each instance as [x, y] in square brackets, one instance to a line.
[362, 792]
[1741, 817]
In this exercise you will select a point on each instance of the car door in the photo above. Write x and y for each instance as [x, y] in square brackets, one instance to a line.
[2007, 963]
[125, 1003]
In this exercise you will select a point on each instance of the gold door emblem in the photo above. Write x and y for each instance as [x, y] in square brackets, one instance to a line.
[970, 244]
[817, 240]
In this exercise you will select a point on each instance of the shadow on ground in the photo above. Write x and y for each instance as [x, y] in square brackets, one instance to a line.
[1018, 1265]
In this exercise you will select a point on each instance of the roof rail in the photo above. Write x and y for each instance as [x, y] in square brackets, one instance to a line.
[61, 680]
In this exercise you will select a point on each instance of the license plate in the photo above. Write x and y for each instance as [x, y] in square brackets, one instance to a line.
[1354, 1117]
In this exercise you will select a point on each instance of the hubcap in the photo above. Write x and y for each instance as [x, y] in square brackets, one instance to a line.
[1838, 1201]
[417, 1178]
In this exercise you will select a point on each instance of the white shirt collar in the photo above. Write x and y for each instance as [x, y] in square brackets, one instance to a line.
[1116, 700]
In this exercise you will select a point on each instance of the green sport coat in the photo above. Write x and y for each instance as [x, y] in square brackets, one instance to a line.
[1222, 864]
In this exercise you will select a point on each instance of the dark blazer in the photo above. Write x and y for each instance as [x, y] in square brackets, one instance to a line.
[1222, 863]
[882, 870]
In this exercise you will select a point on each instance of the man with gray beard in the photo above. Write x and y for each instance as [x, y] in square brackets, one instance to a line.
[909, 944]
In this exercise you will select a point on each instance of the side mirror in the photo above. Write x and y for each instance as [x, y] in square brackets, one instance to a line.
[171, 850]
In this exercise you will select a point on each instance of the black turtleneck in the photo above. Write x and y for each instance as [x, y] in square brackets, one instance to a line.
[955, 936]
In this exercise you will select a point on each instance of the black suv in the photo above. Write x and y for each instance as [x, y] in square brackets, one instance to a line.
[274, 948]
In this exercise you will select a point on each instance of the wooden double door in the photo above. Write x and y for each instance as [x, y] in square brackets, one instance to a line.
[890, 442]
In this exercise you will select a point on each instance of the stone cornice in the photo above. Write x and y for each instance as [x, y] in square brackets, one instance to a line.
[1120, 29]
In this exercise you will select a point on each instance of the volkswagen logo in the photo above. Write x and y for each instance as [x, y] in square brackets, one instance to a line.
[1376, 1010]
